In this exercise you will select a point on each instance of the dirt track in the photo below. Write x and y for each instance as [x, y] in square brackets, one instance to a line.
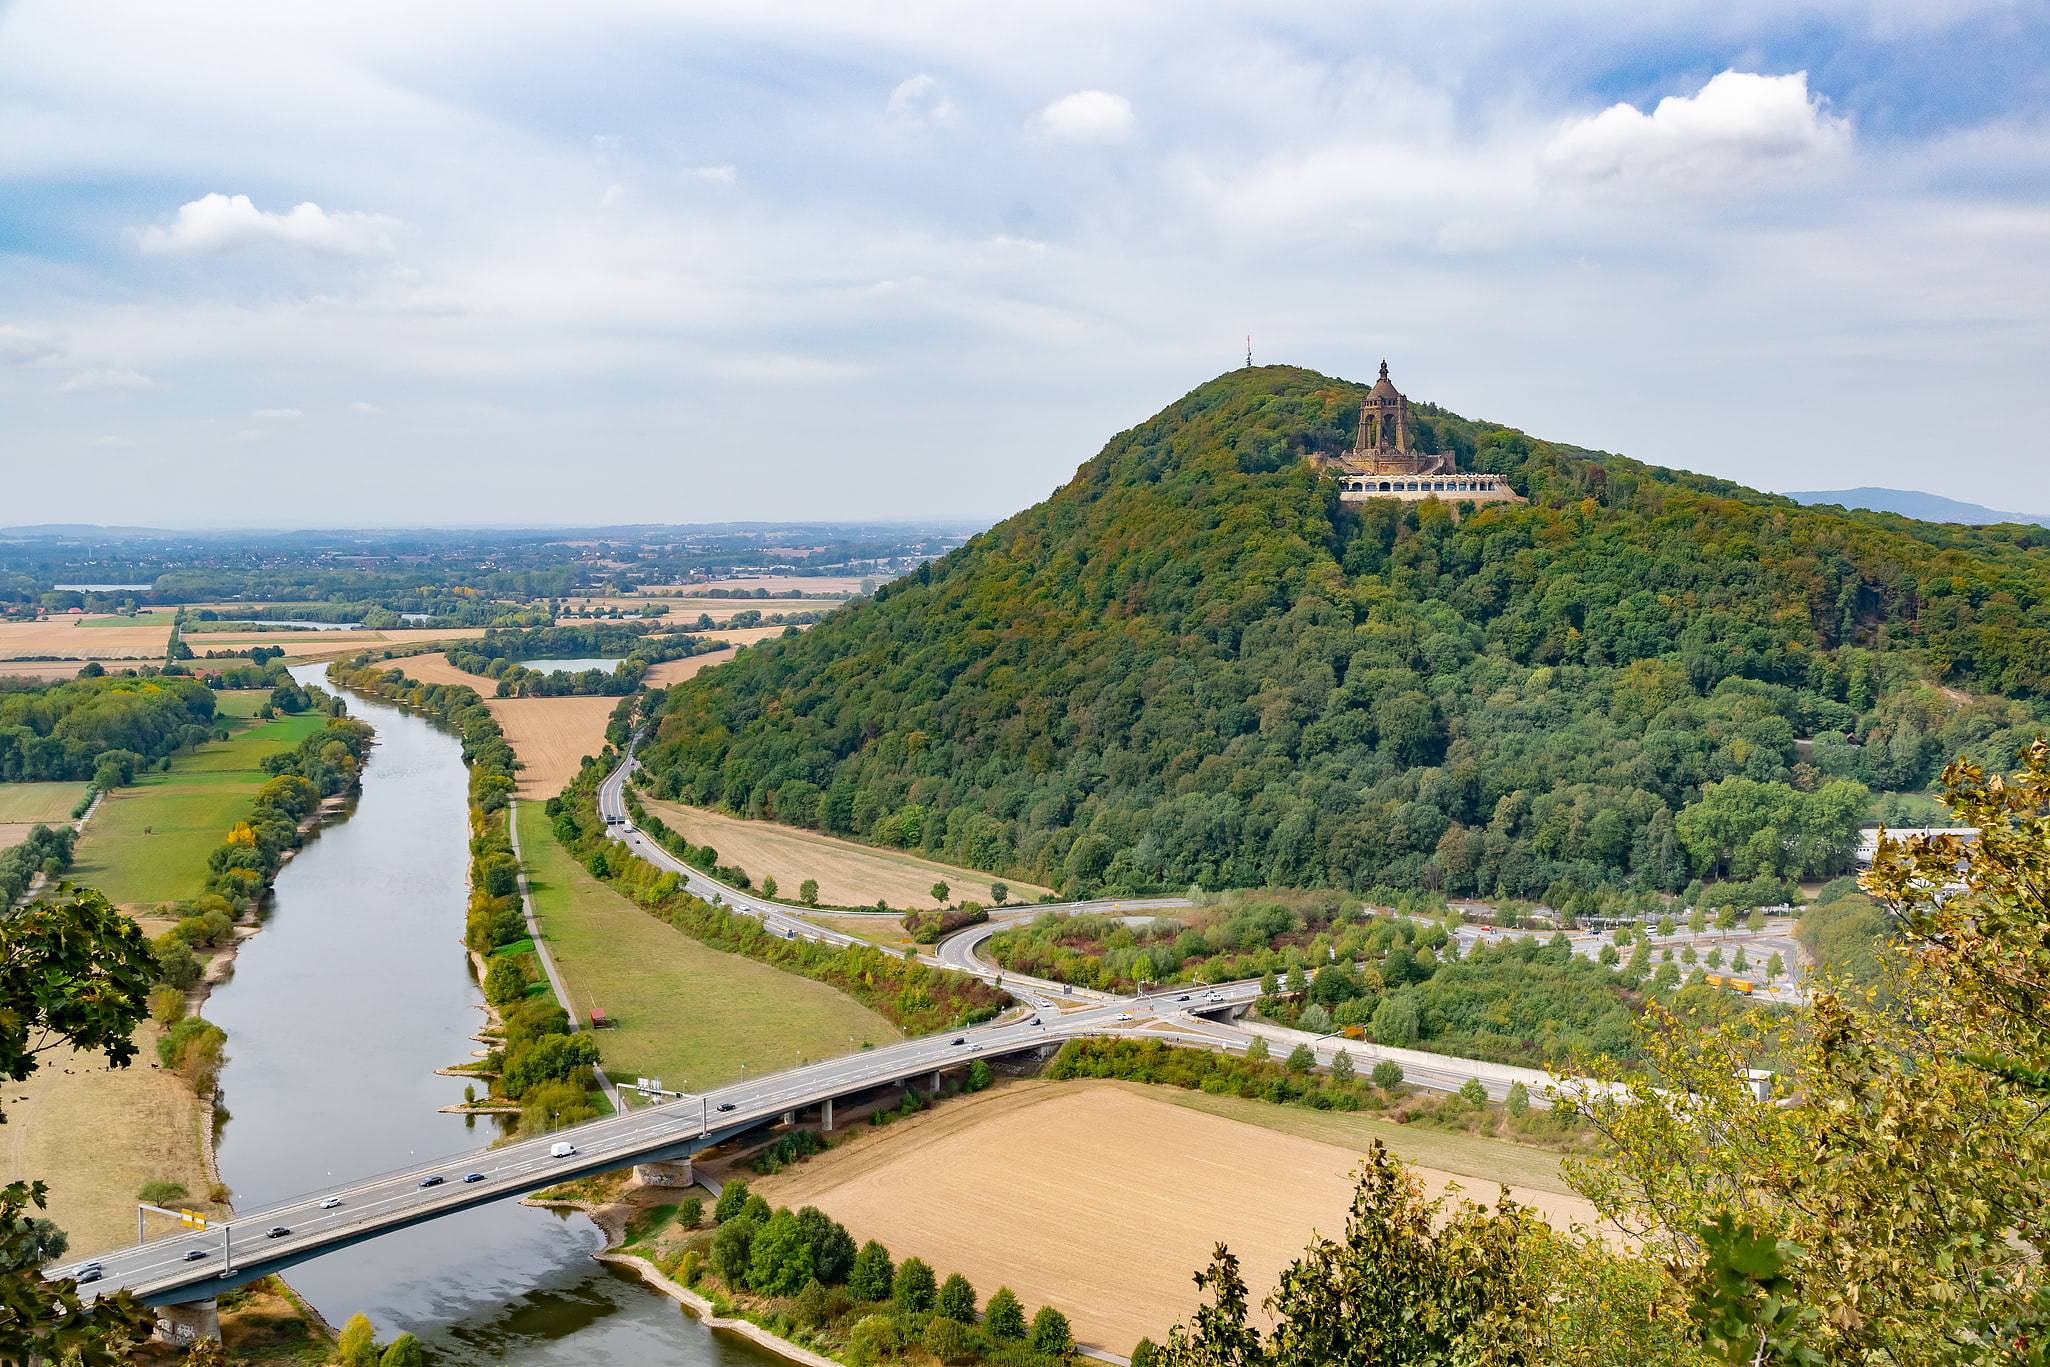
[551, 736]
[849, 875]
[1095, 1197]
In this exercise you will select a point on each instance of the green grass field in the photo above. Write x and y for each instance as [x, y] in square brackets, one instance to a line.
[240, 702]
[685, 1012]
[31, 802]
[185, 813]
[1487, 1160]
[144, 618]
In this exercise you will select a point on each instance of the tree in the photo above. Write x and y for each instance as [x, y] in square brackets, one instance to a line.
[1697, 921]
[1395, 1020]
[1051, 1334]
[1268, 985]
[404, 1352]
[1296, 982]
[979, 1076]
[914, 1288]
[1414, 1281]
[779, 1259]
[873, 1274]
[691, 1213]
[1387, 1075]
[1004, 1317]
[832, 1247]
[1000, 893]
[940, 892]
[1666, 926]
[808, 892]
[1301, 1059]
[732, 1198]
[1775, 966]
[1756, 921]
[769, 885]
[1257, 1051]
[814, 1304]
[733, 1249]
[1912, 1243]
[956, 1299]
[1342, 1067]
[1519, 1099]
[1472, 1092]
[1144, 1353]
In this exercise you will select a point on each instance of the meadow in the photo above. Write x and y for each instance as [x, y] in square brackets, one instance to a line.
[149, 842]
[683, 1010]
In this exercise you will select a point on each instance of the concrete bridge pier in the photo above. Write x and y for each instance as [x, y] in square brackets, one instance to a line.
[185, 1324]
[677, 1173]
[789, 1117]
[826, 1115]
[935, 1082]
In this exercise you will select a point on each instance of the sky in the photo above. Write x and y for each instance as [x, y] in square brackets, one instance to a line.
[325, 263]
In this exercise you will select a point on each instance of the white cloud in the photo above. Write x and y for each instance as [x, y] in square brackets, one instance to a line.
[1087, 116]
[26, 346]
[276, 414]
[218, 222]
[1740, 126]
[365, 408]
[113, 443]
[87, 380]
[724, 175]
[919, 97]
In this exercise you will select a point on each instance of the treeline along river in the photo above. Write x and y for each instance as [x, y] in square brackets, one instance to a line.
[337, 1016]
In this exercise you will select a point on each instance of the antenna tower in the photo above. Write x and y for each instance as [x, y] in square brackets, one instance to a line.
[1249, 353]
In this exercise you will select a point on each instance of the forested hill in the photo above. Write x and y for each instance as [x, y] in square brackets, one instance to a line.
[1192, 663]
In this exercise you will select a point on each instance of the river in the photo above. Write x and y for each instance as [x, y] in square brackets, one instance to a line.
[337, 1015]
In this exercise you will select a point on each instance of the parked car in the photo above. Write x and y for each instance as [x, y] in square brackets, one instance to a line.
[276, 1232]
[432, 1181]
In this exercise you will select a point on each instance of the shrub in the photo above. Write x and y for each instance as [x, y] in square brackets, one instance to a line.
[358, 1343]
[1387, 1075]
[1145, 1353]
[979, 1076]
[691, 1213]
[873, 1273]
[1471, 1090]
[874, 1339]
[1004, 1318]
[691, 1267]
[948, 1340]
[1301, 1059]
[1050, 1333]
[915, 1288]
[1258, 1049]
[176, 966]
[404, 1352]
[1314, 1019]
[814, 1304]
[161, 1193]
[956, 1299]
[167, 1006]
[1519, 1099]
[1341, 1067]
[733, 1248]
[193, 1049]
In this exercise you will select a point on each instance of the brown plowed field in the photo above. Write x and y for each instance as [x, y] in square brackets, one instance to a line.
[1099, 1198]
[849, 875]
[551, 736]
[88, 638]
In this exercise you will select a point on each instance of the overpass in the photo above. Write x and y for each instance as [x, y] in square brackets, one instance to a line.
[165, 1271]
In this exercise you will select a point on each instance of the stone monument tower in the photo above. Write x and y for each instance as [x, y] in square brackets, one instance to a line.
[1384, 461]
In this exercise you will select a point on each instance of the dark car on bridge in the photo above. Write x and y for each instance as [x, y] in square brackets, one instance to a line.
[276, 1232]
[432, 1181]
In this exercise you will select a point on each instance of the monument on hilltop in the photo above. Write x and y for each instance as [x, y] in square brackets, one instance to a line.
[1385, 463]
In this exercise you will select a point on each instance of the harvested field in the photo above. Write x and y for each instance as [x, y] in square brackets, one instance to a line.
[326, 641]
[683, 1011]
[551, 736]
[97, 1134]
[117, 638]
[676, 671]
[46, 670]
[1159, 1184]
[849, 583]
[437, 670]
[849, 875]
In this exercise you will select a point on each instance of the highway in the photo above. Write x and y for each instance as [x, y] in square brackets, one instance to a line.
[233, 1252]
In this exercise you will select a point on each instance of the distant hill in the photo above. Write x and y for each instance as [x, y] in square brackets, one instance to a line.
[1916, 504]
[1194, 663]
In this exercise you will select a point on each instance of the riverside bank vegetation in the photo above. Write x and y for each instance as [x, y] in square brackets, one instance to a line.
[540, 1063]
[1194, 664]
[497, 655]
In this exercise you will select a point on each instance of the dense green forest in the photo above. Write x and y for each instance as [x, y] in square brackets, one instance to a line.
[1194, 664]
[61, 730]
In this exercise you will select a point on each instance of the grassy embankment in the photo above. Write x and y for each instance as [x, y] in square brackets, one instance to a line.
[684, 1011]
[187, 811]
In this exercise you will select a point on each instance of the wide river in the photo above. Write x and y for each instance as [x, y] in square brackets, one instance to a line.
[337, 1016]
